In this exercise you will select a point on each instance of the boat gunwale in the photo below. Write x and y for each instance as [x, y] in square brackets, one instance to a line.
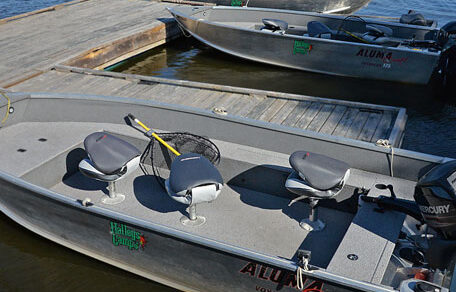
[398, 152]
[318, 40]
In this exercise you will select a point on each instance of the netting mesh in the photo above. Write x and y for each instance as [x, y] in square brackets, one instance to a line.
[159, 158]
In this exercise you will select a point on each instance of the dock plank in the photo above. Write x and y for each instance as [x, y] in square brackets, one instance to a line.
[260, 108]
[272, 110]
[371, 125]
[283, 113]
[333, 120]
[311, 112]
[244, 107]
[317, 123]
[384, 127]
[357, 125]
[345, 122]
[296, 114]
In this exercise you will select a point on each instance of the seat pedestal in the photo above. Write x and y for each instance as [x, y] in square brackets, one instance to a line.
[113, 196]
[312, 223]
[192, 219]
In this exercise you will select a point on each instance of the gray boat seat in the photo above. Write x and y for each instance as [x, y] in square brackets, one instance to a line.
[274, 25]
[380, 35]
[193, 179]
[415, 18]
[315, 177]
[317, 29]
[109, 159]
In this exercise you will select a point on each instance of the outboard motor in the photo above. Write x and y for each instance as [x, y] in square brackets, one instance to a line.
[445, 74]
[435, 194]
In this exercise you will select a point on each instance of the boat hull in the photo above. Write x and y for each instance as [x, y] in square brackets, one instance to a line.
[313, 54]
[326, 6]
[164, 257]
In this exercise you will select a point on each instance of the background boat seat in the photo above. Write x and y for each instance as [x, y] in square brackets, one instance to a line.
[380, 35]
[275, 24]
[317, 29]
[415, 18]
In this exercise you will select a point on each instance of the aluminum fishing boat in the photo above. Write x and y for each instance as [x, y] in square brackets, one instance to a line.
[332, 44]
[323, 6]
[257, 207]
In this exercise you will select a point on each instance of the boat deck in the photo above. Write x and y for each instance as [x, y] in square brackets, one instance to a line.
[242, 217]
[267, 225]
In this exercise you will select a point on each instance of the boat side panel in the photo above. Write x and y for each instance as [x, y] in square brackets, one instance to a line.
[301, 19]
[315, 55]
[162, 258]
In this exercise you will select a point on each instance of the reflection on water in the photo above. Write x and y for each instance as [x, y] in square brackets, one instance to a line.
[431, 123]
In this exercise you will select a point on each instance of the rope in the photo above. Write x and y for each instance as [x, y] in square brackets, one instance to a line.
[299, 272]
[186, 34]
[220, 111]
[7, 107]
[386, 143]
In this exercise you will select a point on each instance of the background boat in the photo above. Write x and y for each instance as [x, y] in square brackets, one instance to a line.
[325, 6]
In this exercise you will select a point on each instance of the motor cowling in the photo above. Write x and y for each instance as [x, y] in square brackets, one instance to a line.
[435, 194]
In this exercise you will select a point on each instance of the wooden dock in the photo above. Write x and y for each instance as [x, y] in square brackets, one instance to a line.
[352, 120]
[58, 49]
[86, 33]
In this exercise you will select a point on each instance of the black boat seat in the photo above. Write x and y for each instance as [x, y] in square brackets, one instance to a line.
[379, 30]
[319, 171]
[275, 24]
[317, 29]
[380, 35]
[193, 179]
[315, 177]
[110, 158]
[415, 18]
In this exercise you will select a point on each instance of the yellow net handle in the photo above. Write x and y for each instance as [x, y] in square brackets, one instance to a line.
[153, 134]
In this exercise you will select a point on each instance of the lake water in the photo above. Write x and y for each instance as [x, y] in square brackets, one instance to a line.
[30, 263]
[14, 7]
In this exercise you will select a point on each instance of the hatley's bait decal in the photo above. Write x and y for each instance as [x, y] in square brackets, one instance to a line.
[124, 236]
[301, 47]
[237, 3]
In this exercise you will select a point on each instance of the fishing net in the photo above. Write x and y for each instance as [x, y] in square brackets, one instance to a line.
[159, 158]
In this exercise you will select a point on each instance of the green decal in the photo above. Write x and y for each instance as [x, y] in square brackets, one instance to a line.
[301, 47]
[236, 2]
[125, 236]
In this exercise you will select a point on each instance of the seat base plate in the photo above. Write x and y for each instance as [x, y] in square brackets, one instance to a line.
[118, 198]
[308, 225]
[200, 220]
